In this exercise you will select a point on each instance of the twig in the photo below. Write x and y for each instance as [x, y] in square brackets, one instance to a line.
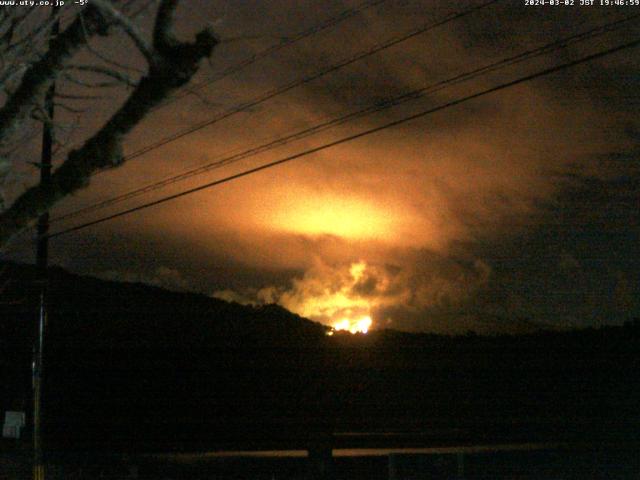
[129, 28]
[69, 109]
[98, 70]
[104, 58]
[68, 96]
[176, 65]
[38, 76]
[81, 83]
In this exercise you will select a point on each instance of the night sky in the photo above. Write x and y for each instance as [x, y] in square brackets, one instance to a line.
[513, 210]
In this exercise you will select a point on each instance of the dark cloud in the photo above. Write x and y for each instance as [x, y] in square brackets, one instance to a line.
[517, 208]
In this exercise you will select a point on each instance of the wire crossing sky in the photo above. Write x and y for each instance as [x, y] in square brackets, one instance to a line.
[355, 137]
[514, 210]
[286, 42]
[297, 83]
[412, 95]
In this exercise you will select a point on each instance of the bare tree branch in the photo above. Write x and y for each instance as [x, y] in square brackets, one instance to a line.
[29, 39]
[113, 63]
[142, 8]
[92, 85]
[19, 49]
[39, 75]
[69, 130]
[11, 72]
[163, 37]
[70, 109]
[129, 28]
[176, 63]
[120, 77]
[68, 96]
[40, 114]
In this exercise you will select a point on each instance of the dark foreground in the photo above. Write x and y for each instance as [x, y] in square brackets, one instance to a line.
[531, 462]
[134, 370]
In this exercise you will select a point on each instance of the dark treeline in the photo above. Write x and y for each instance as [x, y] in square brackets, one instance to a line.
[135, 367]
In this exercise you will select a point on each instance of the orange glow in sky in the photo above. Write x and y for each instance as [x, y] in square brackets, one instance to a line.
[346, 217]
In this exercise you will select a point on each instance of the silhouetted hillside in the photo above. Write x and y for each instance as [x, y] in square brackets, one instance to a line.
[86, 311]
[138, 367]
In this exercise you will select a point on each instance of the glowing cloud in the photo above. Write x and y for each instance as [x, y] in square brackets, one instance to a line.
[358, 325]
[327, 295]
[358, 296]
[333, 215]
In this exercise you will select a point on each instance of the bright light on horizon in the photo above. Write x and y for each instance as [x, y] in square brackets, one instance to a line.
[359, 325]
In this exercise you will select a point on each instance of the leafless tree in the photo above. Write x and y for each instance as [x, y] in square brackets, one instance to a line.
[30, 61]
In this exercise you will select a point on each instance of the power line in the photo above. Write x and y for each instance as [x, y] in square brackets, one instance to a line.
[344, 15]
[296, 83]
[240, 66]
[343, 140]
[309, 78]
[408, 96]
[372, 109]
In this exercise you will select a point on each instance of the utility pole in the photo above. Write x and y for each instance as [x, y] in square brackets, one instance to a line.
[42, 260]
